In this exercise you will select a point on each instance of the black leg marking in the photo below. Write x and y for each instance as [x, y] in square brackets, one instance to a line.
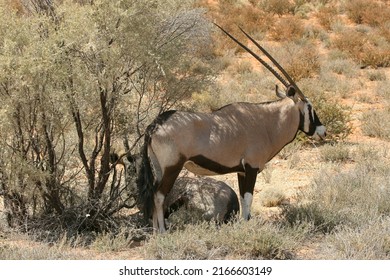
[246, 184]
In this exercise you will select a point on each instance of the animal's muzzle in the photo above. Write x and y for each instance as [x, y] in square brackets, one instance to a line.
[320, 133]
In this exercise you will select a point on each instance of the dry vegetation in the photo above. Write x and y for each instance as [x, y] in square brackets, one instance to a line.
[315, 200]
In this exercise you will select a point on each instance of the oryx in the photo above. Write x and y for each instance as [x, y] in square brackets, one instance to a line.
[200, 198]
[240, 137]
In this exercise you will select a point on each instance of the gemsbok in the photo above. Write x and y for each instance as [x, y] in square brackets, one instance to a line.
[193, 199]
[201, 199]
[240, 137]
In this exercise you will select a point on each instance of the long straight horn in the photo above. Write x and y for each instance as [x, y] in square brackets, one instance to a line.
[276, 74]
[275, 63]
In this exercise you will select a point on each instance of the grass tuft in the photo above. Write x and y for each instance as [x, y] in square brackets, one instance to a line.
[369, 12]
[335, 153]
[351, 198]
[370, 242]
[272, 197]
[287, 28]
[376, 123]
[374, 52]
[239, 240]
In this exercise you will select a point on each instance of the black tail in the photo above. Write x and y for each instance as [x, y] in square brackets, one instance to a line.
[146, 181]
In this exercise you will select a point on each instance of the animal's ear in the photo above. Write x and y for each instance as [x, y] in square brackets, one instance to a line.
[279, 93]
[292, 93]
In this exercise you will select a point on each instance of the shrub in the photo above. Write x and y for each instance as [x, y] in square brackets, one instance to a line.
[69, 96]
[338, 85]
[366, 48]
[249, 16]
[340, 66]
[247, 86]
[376, 123]
[335, 117]
[376, 75]
[367, 12]
[300, 60]
[351, 198]
[314, 32]
[279, 7]
[244, 67]
[369, 242]
[287, 28]
[272, 197]
[383, 89]
[384, 30]
[327, 15]
[338, 152]
[254, 19]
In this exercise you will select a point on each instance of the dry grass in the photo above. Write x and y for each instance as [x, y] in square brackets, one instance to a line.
[383, 90]
[350, 199]
[335, 153]
[341, 66]
[366, 47]
[286, 29]
[342, 209]
[370, 242]
[377, 123]
[327, 16]
[109, 242]
[239, 240]
[272, 197]
[376, 75]
[278, 7]
[20, 247]
[374, 13]
[299, 59]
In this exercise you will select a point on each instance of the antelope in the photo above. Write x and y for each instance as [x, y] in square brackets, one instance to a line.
[202, 198]
[237, 138]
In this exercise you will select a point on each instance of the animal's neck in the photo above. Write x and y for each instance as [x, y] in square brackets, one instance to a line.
[285, 128]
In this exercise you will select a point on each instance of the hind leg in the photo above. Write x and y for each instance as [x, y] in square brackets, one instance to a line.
[168, 179]
[158, 213]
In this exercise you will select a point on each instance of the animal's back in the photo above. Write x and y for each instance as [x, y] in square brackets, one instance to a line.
[201, 134]
[202, 198]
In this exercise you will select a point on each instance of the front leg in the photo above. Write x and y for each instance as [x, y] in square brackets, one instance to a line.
[246, 183]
